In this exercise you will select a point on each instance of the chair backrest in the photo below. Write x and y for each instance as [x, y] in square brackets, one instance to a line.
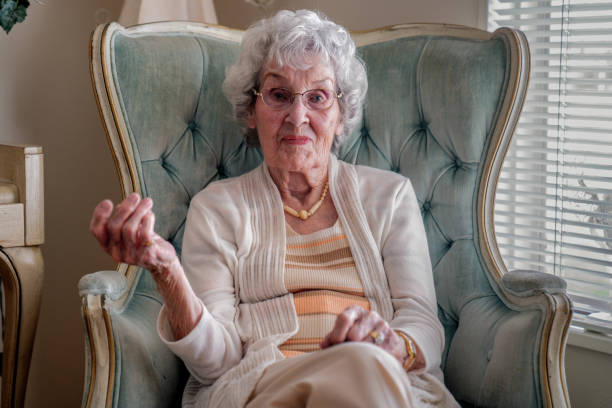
[441, 107]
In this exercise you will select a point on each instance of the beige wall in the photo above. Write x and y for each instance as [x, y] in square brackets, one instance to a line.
[46, 99]
[363, 14]
[588, 377]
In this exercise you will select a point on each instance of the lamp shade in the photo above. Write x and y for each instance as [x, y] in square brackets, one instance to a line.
[147, 11]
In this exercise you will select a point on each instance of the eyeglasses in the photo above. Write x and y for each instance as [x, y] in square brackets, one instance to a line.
[282, 98]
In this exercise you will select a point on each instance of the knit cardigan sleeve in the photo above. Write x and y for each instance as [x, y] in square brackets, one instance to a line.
[395, 220]
[209, 259]
[409, 272]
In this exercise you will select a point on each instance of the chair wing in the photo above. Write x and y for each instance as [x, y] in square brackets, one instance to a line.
[441, 108]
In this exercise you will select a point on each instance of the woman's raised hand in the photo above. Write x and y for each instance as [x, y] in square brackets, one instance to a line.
[358, 324]
[128, 236]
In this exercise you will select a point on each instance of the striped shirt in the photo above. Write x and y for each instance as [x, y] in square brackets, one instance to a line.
[321, 274]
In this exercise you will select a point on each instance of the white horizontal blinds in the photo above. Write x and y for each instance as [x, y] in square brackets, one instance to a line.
[553, 209]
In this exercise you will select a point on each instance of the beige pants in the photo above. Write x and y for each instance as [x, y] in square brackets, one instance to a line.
[348, 375]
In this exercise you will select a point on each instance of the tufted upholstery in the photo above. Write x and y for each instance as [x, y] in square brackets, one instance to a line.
[437, 111]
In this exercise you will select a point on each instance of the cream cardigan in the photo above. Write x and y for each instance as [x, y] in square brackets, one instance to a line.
[234, 252]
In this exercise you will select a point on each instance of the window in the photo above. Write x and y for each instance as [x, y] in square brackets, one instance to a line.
[553, 210]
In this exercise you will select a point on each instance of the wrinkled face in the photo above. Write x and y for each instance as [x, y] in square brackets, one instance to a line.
[296, 138]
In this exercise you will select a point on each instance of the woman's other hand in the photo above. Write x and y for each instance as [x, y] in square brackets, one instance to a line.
[128, 235]
[358, 324]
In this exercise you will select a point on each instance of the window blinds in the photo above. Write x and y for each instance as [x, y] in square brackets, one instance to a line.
[553, 209]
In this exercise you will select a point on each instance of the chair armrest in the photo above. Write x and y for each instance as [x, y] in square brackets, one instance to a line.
[127, 364]
[478, 369]
[110, 284]
[529, 325]
[526, 283]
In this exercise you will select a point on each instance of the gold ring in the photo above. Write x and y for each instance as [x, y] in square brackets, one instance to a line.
[377, 336]
[148, 243]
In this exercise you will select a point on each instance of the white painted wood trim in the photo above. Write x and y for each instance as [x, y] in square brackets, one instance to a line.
[12, 225]
[164, 27]
[98, 391]
[105, 110]
[22, 166]
[590, 340]
[502, 136]
[34, 196]
[393, 32]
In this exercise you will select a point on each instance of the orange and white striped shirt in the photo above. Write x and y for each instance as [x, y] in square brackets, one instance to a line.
[321, 274]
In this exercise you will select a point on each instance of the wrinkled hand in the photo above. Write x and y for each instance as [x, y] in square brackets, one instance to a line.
[356, 323]
[128, 235]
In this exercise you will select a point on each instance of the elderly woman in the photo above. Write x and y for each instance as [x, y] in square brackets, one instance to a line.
[307, 281]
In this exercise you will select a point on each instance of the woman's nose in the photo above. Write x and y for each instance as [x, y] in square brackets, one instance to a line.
[297, 112]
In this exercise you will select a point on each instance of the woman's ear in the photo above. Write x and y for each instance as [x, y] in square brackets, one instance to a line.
[251, 122]
[339, 128]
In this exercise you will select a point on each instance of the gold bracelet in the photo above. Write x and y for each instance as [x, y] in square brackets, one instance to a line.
[409, 362]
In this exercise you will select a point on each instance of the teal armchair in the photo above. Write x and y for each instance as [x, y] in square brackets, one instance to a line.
[441, 109]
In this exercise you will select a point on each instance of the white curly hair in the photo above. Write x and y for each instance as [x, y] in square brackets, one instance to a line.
[293, 39]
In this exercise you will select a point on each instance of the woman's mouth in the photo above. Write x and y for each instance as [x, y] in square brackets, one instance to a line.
[296, 140]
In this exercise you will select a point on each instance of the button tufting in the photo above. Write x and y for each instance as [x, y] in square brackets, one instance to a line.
[221, 170]
[192, 126]
[423, 125]
[364, 132]
[458, 163]
[427, 206]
